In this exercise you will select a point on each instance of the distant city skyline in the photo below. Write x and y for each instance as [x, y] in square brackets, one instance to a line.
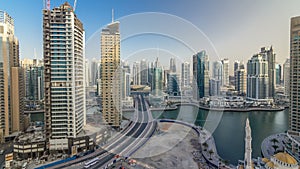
[231, 26]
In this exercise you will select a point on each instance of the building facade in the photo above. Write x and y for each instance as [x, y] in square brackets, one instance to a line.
[111, 75]
[241, 80]
[144, 72]
[294, 128]
[173, 65]
[286, 77]
[11, 80]
[257, 77]
[136, 73]
[225, 79]
[173, 84]
[65, 102]
[185, 75]
[218, 71]
[201, 75]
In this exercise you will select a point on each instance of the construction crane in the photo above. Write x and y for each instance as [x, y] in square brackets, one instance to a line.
[48, 4]
[74, 6]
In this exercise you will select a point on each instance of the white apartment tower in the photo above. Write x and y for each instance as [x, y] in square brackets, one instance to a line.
[64, 61]
[185, 75]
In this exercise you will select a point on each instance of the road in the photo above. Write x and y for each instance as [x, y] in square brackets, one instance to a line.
[124, 143]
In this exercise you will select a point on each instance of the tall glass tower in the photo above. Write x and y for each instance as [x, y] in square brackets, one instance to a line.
[201, 74]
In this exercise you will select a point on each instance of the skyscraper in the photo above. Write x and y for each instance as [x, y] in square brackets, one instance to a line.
[241, 80]
[257, 77]
[201, 74]
[11, 79]
[94, 72]
[278, 73]
[172, 65]
[136, 73]
[294, 115]
[286, 77]
[173, 84]
[218, 71]
[64, 61]
[269, 55]
[157, 79]
[225, 79]
[185, 75]
[144, 72]
[111, 75]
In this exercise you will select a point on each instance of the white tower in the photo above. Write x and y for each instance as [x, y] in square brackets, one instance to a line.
[248, 149]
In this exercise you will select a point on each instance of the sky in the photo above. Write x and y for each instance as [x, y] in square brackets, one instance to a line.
[233, 29]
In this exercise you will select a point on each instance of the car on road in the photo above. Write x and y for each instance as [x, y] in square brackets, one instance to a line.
[1, 152]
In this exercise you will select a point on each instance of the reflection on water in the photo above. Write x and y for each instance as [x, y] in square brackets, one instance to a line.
[229, 134]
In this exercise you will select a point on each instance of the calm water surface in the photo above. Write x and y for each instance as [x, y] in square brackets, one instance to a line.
[229, 133]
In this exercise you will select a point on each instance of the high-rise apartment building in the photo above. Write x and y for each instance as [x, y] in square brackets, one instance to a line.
[286, 77]
[241, 80]
[225, 79]
[173, 84]
[218, 71]
[257, 77]
[172, 65]
[64, 62]
[111, 75]
[201, 74]
[94, 72]
[136, 73]
[270, 57]
[185, 75]
[144, 72]
[278, 73]
[34, 79]
[294, 116]
[157, 79]
[11, 80]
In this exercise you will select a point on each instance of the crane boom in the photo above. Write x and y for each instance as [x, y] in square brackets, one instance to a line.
[48, 4]
[74, 6]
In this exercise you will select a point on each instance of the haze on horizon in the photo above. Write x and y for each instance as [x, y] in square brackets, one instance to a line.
[237, 29]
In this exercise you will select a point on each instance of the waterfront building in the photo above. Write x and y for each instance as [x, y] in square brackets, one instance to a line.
[172, 65]
[64, 61]
[294, 128]
[173, 84]
[286, 77]
[214, 87]
[241, 80]
[225, 65]
[201, 75]
[144, 72]
[111, 75]
[257, 78]
[218, 71]
[11, 77]
[185, 75]
[269, 55]
[136, 73]
[278, 73]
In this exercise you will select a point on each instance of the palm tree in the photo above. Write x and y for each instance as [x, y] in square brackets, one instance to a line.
[210, 153]
[205, 145]
[275, 147]
[274, 140]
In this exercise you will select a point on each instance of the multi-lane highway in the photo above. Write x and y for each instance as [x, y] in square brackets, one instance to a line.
[125, 143]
